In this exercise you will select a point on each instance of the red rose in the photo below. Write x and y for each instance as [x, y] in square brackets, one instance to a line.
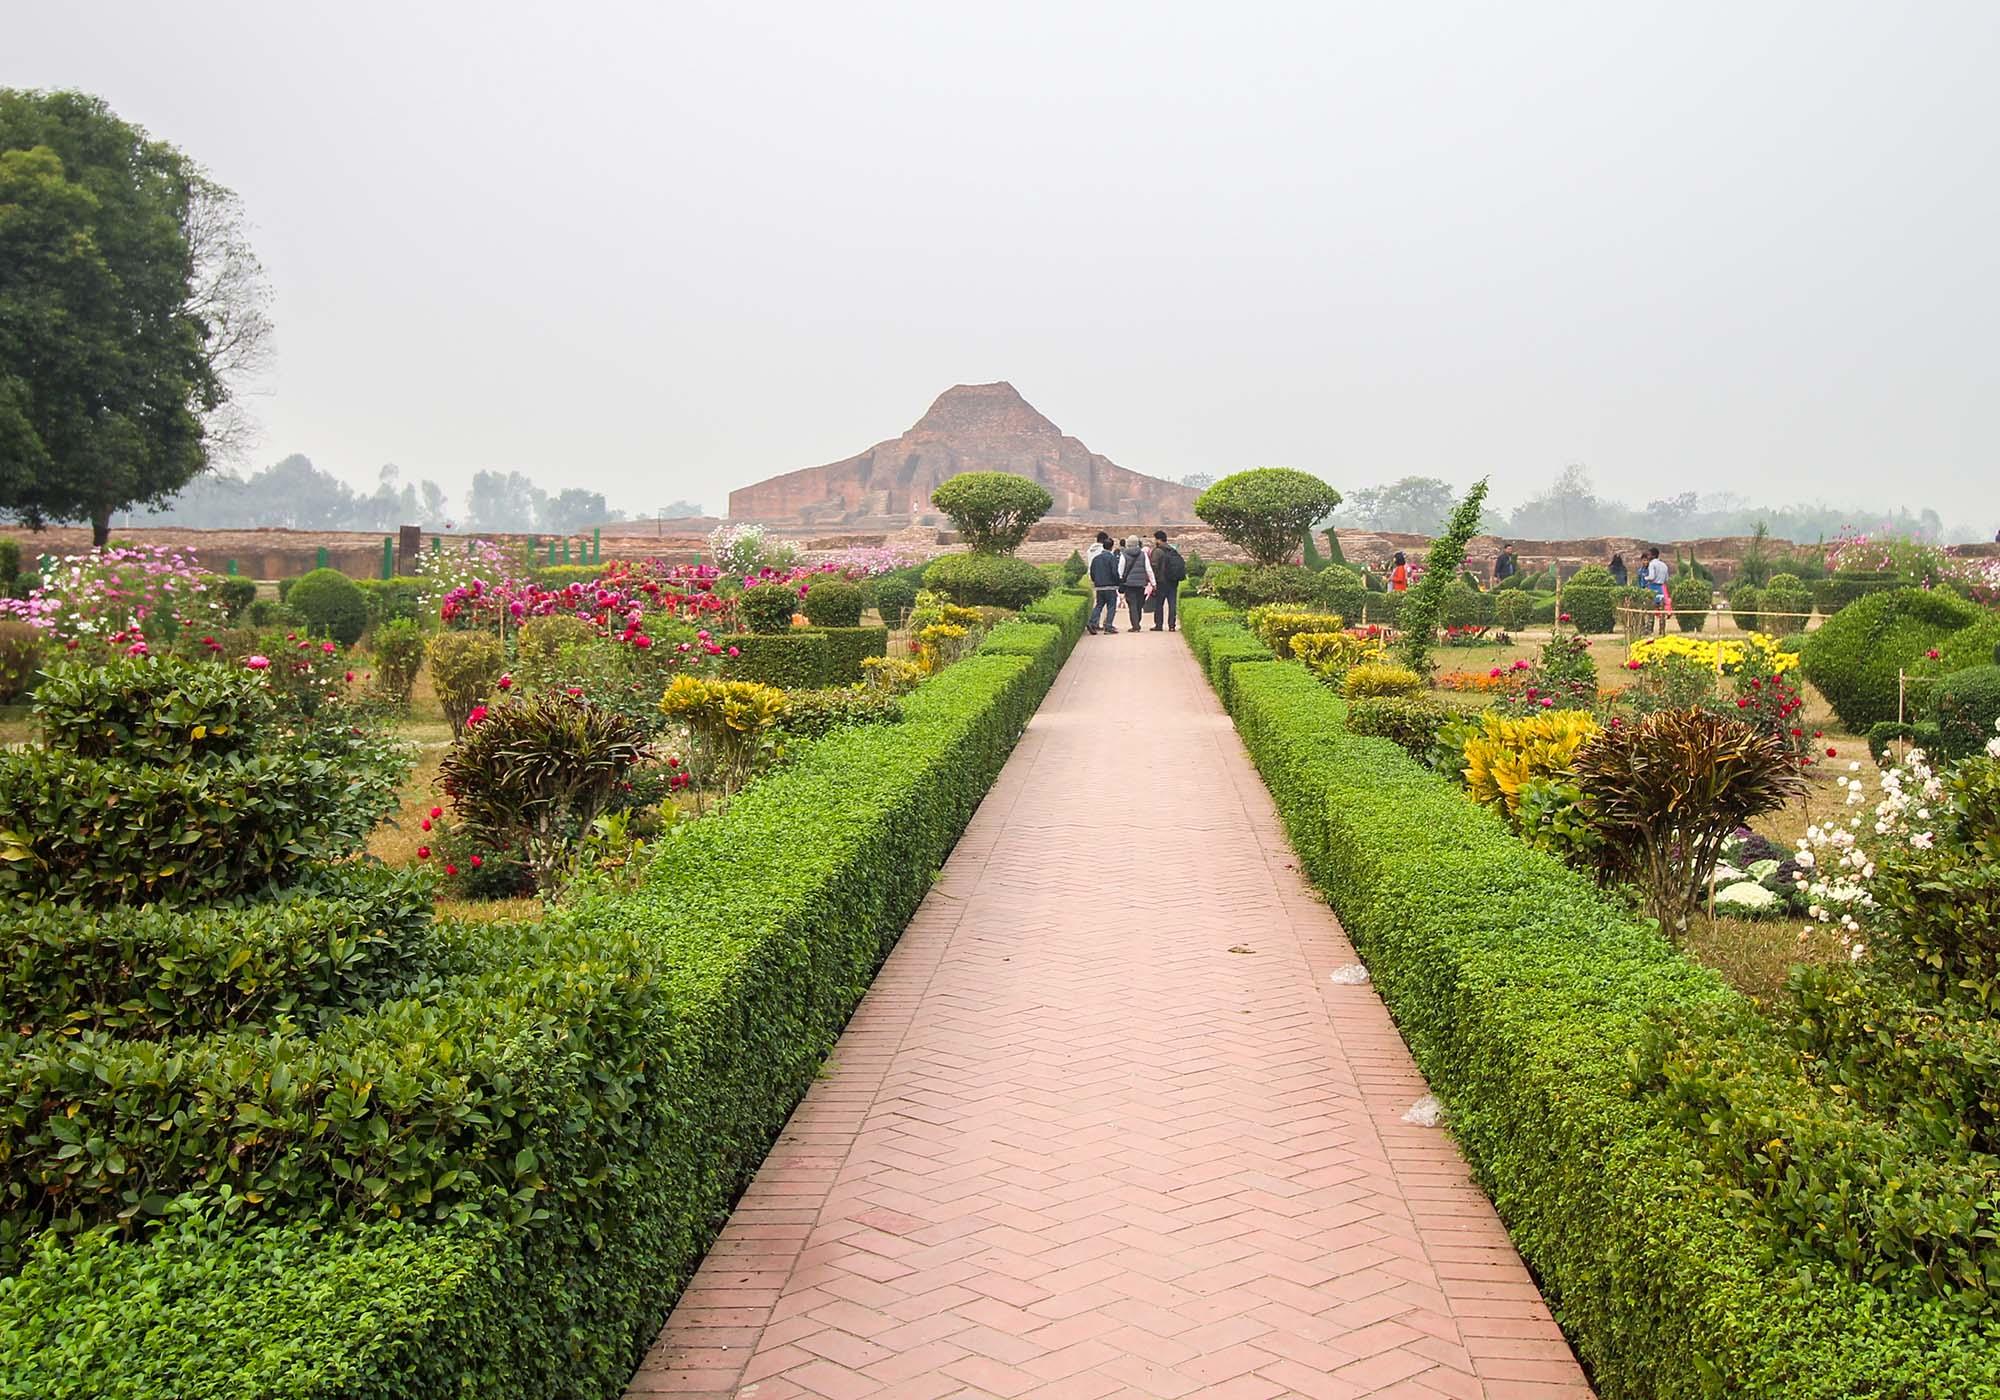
[477, 862]
[423, 853]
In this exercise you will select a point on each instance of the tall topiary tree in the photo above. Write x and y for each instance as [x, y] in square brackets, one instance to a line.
[1266, 511]
[992, 511]
[1425, 604]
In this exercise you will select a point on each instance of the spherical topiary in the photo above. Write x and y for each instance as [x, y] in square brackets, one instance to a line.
[1266, 512]
[1465, 606]
[1590, 576]
[768, 607]
[1786, 604]
[1853, 660]
[330, 604]
[992, 511]
[894, 597]
[1967, 705]
[987, 580]
[833, 602]
[1745, 604]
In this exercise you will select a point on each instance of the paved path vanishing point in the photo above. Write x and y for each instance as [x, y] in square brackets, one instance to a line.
[1104, 1126]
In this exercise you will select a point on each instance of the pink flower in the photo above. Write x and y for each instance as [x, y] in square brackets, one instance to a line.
[423, 853]
[257, 663]
[572, 690]
[328, 647]
[136, 649]
[505, 683]
[350, 678]
[1932, 654]
[1494, 673]
[477, 715]
[642, 641]
[734, 652]
[450, 869]
[476, 862]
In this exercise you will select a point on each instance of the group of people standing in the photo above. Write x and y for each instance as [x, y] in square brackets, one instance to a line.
[1147, 576]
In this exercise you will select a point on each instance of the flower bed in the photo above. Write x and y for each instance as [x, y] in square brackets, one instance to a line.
[653, 1043]
[1525, 998]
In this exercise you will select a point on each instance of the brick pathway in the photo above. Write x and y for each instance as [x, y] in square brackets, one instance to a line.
[1104, 1127]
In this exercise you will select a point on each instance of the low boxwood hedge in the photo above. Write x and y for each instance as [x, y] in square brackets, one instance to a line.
[847, 648]
[791, 660]
[655, 1041]
[1524, 997]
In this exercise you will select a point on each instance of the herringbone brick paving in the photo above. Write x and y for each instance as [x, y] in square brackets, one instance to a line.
[1103, 1126]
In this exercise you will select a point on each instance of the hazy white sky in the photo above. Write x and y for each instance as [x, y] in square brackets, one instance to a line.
[666, 249]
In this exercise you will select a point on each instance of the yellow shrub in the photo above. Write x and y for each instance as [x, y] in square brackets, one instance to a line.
[1275, 624]
[1373, 679]
[1329, 655]
[1506, 753]
[1723, 656]
[892, 675]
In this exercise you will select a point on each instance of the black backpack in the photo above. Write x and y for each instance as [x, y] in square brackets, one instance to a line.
[1175, 567]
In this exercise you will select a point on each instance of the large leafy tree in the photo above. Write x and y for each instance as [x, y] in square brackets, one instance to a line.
[993, 511]
[130, 305]
[1266, 511]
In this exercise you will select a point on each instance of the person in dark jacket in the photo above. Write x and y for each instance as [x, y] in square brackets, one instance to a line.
[1136, 576]
[1104, 569]
[1168, 571]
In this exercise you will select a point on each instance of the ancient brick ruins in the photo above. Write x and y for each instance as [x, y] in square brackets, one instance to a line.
[971, 427]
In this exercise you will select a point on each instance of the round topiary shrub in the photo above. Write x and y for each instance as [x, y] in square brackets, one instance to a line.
[1074, 568]
[1590, 576]
[330, 604]
[1745, 603]
[992, 511]
[987, 580]
[894, 597]
[768, 607]
[1589, 598]
[1853, 660]
[1266, 512]
[1466, 606]
[1967, 705]
[833, 602]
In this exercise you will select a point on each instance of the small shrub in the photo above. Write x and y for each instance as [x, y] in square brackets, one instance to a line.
[330, 604]
[1591, 607]
[1665, 792]
[814, 714]
[540, 647]
[992, 511]
[790, 660]
[1693, 597]
[1922, 735]
[1966, 705]
[894, 597]
[833, 602]
[535, 773]
[768, 607]
[464, 667]
[1500, 756]
[20, 658]
[145, 711]
[1074, 569]
[392, 598]
[237, 594]
[1746, 604]
[986, 580]
[1246, 588]
[1266, 511]
[1512, 608]
[892, 675]
[1466, 606]
[728, 726]
[848, 650]
[1331, 655]
[1373, 679]
[1275, 624]
[1412, 724]
[398, 649]
[1784, 604]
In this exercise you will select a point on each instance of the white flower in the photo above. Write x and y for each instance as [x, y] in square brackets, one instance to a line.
[1806, 860]
[1747, 896]
[1922, 840]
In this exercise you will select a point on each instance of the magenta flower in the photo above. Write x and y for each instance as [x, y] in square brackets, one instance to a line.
[257, 663]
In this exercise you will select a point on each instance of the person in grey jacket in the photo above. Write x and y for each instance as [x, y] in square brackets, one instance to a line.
[1136, 577]
[1168, 571]
[1105, 566]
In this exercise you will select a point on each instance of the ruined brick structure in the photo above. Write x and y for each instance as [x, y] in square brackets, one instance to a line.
[971, 427]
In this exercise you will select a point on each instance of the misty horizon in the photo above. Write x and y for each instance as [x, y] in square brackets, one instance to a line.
[1707, 250]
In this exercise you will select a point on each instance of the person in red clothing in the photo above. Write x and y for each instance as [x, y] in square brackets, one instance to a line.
[1399, 574]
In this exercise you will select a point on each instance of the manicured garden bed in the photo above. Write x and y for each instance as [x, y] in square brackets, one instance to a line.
[1528, 1001]
[631, 1058]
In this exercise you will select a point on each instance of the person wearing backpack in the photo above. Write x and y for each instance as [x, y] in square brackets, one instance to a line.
[1168, 571]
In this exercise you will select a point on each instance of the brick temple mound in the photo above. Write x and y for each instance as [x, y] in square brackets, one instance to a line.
[971, 428]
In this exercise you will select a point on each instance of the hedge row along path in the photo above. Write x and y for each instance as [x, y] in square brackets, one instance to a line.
[1105, 1127]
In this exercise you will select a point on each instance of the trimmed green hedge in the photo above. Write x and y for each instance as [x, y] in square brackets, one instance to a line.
[792, 660]
[1523, 994]
[1853, 658]
[663, 1039]
[1041, 642]
[391, 598]
[847, 647]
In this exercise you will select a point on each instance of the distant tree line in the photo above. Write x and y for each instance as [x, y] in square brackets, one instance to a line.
[1570, 508]
[297, 495]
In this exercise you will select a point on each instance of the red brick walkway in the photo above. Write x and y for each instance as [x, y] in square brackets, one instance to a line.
[1104, 1127]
